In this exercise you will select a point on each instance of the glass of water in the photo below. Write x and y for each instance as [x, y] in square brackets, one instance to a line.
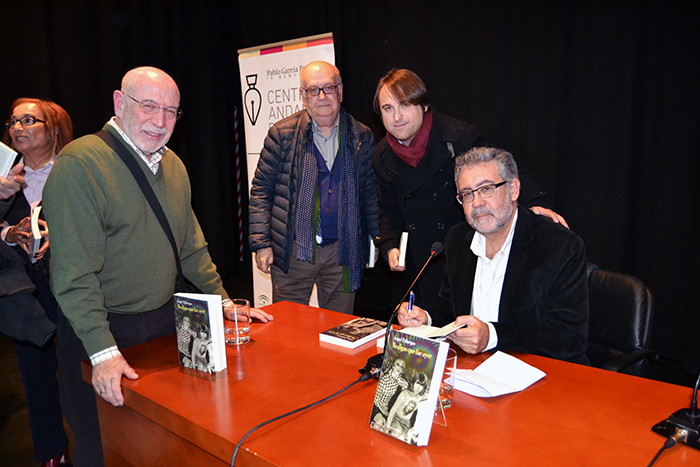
[237, 322]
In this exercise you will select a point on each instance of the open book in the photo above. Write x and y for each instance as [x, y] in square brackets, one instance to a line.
[431, 332]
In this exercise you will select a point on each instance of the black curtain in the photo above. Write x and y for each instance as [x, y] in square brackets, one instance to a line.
[599, 99]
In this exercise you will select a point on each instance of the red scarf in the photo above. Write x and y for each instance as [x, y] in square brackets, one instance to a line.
[414, 152]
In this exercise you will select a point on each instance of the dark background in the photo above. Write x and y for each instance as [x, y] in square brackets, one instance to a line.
[599, 99]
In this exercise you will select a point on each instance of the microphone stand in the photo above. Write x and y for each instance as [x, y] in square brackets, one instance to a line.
[395, 313]
[374, 363]
[684, 421]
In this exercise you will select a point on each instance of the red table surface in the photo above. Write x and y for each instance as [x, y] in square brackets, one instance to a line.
[576, 415]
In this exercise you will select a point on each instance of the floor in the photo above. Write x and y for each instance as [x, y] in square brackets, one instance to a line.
[15, 439]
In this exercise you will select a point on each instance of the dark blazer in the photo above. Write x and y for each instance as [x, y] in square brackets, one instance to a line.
[544, 301]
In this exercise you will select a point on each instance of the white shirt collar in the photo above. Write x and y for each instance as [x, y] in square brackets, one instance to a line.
[153, 161]
[45, 169]
[478, 245]
[317, 129]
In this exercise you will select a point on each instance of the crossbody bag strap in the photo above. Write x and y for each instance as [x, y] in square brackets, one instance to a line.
[148, 192]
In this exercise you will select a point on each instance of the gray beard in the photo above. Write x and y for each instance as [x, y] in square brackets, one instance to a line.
[502, 216]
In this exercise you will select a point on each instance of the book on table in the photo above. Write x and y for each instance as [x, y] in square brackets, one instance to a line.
[353, 333]
[408, 387]
[199, 321]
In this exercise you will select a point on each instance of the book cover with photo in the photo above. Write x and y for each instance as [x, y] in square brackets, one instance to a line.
[408, 387]
[353, 333]
[199, 321]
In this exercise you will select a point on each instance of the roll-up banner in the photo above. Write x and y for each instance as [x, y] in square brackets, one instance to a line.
[270, 88]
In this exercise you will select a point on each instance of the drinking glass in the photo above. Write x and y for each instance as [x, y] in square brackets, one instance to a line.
[448, 380]
[237, 322]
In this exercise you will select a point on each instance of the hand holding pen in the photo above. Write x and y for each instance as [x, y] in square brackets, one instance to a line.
[411, 314]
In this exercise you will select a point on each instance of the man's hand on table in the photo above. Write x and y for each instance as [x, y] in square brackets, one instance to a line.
[107, 379]
[257, 313]
[107, 376]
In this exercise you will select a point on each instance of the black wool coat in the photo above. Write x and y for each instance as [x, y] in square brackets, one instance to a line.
[422, 200]
[543, 308]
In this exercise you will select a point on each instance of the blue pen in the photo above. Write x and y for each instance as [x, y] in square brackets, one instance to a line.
[410, 304]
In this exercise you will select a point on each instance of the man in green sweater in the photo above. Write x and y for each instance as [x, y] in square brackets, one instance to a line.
[112, 268]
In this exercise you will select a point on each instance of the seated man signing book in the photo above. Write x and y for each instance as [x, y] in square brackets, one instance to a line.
[518, 280]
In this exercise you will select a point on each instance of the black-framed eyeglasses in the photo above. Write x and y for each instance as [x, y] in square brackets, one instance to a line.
[327, 90]
[27, 120]
[486, 191]
[150, 108]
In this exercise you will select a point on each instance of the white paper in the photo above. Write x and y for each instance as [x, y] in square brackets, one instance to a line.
[500, 374]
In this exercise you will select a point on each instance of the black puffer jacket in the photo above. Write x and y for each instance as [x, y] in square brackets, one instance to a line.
[275, 187]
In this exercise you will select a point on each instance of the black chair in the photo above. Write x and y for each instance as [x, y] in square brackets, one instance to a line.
[619, 326]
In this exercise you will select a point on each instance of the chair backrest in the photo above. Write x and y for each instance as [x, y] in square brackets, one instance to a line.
[620, 314]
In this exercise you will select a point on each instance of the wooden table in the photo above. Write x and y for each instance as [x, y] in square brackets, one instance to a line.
[575, 416]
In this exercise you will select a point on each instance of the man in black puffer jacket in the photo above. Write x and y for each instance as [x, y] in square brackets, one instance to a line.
[313, 203]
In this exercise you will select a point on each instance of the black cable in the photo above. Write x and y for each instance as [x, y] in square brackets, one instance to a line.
[364, 377]
[663, 448]
[669, 443]
[693, 413]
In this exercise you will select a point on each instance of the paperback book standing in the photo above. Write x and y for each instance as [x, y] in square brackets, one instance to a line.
[199, 321]
[408, 388]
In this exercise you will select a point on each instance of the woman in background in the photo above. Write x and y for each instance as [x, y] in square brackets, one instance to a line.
[38, 130]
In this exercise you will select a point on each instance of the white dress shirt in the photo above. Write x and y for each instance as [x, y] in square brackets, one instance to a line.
[488, 280]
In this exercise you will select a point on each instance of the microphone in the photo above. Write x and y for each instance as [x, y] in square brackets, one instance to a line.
[375, 361]
[435, 250]
[683, 424]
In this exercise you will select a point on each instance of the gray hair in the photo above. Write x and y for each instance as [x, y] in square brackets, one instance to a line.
[507, 168]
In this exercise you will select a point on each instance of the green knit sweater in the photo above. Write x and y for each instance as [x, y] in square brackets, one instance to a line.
[108, 251]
